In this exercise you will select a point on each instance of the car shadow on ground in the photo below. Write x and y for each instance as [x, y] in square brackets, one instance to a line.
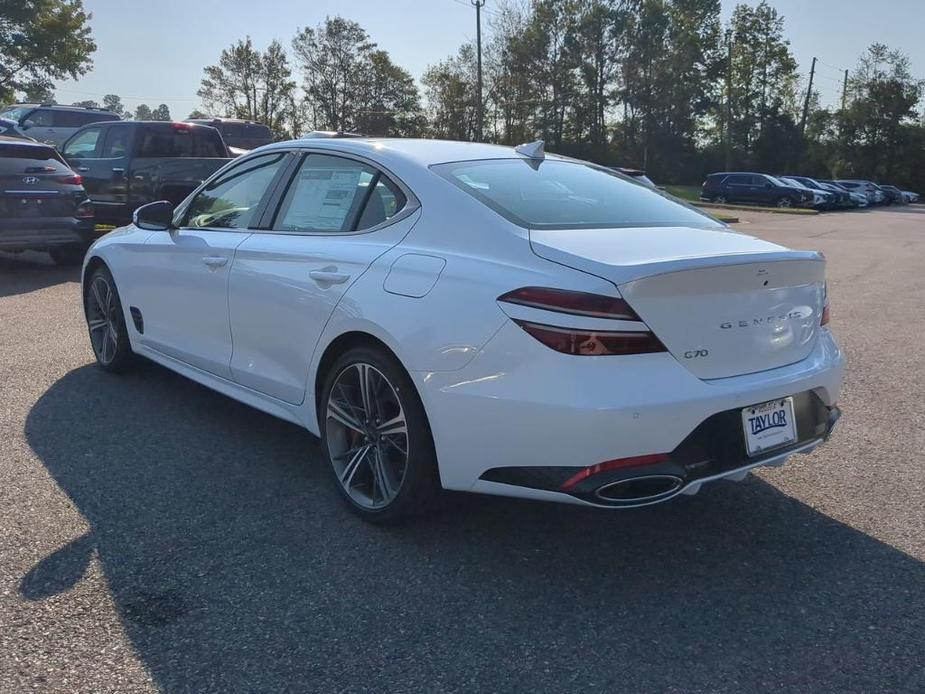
[21, 273]
[234, 567]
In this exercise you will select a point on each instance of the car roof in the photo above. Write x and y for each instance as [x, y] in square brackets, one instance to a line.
[62, 107]
[422, 152]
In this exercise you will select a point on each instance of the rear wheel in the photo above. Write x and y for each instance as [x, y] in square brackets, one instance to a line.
[376, 438]
[720, 199]
[106, 323]
[784, 202]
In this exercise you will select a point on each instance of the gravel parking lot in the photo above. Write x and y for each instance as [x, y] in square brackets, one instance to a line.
[157, 536]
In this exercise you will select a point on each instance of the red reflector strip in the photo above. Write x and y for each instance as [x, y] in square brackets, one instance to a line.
[825, 315]
[590, 343]
[609, 465]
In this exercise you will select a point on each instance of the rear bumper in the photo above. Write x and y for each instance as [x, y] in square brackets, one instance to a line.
[521, 405]
[43, 233]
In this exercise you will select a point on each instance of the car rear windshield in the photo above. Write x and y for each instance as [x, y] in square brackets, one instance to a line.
[553, 194]
[172, 141]
[27, 159]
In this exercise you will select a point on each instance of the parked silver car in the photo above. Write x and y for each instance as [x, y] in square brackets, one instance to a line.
[50, 123]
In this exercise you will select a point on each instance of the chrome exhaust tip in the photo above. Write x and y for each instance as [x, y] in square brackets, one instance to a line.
[640, 490]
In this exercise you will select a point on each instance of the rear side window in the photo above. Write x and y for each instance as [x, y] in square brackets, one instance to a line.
[26, 159]
[174, 141]
[739, 180]
[335, 194]
[75, 119]
[554, 194]
[117, 143]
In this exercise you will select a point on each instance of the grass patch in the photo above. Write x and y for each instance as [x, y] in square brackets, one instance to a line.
[689, 193]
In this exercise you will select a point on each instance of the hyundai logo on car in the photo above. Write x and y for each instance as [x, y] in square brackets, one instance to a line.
[31, 180]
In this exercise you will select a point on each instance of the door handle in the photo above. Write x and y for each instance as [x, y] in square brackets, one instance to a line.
[118, 170]
[215, 261]
[328, 276]
[83, 169]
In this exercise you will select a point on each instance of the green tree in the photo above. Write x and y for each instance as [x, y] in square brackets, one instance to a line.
[763, 99]
[89, 103]
[144, 112]
[251, 85]
[161, 113]
[390, 101]
[449, 90]
[42, 41]
[881, 116]
[114, 104]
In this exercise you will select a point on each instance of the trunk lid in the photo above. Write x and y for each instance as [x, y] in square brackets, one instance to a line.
[723, 303]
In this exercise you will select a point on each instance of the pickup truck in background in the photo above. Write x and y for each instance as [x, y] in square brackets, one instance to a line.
[127, 164]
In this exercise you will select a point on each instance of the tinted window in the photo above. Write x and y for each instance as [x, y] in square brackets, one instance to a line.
[566, 195]
[258, 131]
[175, 141]
[117, 143]
[25, 159]
[73, 119]
[42, 117]
[232, 199]
[330, 194]
[739, 180]
[83, 144]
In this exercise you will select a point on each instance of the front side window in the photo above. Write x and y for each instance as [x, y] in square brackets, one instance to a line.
[41, 118]
[738, 180]
[83, 144]
[231, 201]
[334, 194]
[552, 194]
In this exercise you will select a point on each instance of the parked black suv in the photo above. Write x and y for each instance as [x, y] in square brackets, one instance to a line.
[753, 189]
[43, 204]
[128, 164]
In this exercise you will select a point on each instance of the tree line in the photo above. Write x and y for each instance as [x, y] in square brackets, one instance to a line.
[665, 85]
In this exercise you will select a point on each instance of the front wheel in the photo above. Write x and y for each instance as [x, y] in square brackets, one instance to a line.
[785, 203]
[376, 438]
[106, 323]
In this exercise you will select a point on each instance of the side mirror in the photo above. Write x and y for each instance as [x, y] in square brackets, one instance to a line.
[155, 216]
[28, 123]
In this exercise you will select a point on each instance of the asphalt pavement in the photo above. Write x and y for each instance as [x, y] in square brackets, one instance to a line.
[157, 536]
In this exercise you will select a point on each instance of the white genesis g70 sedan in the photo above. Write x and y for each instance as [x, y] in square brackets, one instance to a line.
[477, 318]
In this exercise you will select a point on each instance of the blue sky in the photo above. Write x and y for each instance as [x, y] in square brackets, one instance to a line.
[154, 51]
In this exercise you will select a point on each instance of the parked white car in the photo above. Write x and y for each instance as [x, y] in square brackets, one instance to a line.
[477, 318]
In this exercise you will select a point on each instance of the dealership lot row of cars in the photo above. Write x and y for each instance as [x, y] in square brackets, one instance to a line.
[744, 187]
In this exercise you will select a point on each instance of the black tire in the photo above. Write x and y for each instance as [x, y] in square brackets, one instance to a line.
[720, 199]
[419, 487]
[67, 256]
[117, 357]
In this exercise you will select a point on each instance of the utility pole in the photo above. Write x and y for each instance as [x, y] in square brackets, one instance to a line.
[728, 118]
[478, 41]
[809, 93]
[844, 92]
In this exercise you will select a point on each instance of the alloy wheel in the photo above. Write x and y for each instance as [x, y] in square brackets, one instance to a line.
[367, 436]
[784, 202]
[103, 319]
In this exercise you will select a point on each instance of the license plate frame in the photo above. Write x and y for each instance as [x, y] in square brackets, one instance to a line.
[768, 425]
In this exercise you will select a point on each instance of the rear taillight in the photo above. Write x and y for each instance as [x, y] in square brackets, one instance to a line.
[70, 180]
[575, 303]
[592, 343]
[84, 211]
